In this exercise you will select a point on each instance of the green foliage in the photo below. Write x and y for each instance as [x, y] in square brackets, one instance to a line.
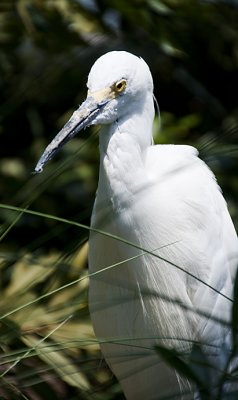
[46, 50]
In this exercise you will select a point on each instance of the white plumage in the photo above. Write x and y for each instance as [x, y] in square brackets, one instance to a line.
[165, 200]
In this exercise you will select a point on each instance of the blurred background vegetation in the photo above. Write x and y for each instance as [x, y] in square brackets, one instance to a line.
[48, 350]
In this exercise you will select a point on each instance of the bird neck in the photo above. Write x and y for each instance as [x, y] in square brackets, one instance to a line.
[132, 128]
[122, 148]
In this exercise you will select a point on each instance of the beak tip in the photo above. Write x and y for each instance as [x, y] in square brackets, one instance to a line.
[38, 169]
[84, 116]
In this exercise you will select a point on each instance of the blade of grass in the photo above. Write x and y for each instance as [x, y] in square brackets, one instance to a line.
[74, 223]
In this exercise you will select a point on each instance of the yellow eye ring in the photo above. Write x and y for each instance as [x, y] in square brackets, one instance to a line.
[120, 86]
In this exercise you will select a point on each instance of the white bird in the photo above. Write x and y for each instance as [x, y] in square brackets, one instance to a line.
[167, 208]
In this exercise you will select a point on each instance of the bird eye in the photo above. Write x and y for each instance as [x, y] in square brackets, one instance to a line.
[120, 86]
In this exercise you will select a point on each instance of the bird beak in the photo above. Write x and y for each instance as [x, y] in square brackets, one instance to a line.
[84, 116]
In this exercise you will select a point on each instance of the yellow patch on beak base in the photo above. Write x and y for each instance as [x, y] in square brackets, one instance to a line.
[110, 92]
[103, 94]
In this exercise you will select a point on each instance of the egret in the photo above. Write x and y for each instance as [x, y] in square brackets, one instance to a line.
[163, 250]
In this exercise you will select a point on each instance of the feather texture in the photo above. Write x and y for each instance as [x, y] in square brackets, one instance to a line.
[165, 201]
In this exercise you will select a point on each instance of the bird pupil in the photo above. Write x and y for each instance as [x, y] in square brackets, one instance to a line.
[120, 85]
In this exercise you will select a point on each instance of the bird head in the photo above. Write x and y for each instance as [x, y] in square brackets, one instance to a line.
[117, 83]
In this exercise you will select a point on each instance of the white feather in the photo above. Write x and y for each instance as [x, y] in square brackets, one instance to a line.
[165, 200]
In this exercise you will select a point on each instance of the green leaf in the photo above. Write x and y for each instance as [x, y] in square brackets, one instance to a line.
[59, 362]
